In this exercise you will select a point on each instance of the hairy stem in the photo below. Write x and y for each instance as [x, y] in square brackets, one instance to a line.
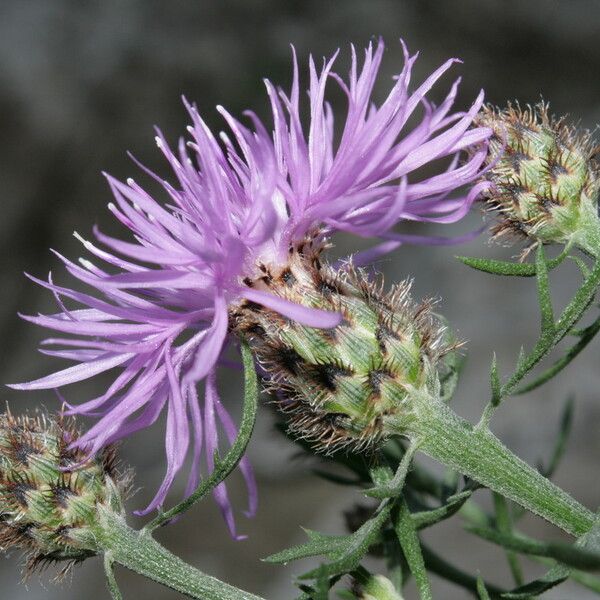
[477, 453]
[141, 553]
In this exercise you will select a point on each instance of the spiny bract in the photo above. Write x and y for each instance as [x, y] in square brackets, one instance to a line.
[338, 386]
[46, 496]
[543, 173]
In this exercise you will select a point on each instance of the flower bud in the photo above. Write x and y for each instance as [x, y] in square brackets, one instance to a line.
[544, 176]
[48, 498]
[375, 587]
[339, 387]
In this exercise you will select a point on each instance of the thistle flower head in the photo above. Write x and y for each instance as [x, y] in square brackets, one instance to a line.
[47, 498]
[160, 305]
[545, 182]
[339, 387]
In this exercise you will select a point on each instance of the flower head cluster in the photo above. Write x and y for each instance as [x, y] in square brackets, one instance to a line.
[159, 311]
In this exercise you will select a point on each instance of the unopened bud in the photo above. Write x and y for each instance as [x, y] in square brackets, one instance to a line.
[375, 587]
[544, 176]
[48, 498]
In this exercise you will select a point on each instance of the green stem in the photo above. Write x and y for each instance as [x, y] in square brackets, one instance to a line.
[504, 524]
[223, 467]
[477, 453]
[587, 335]
[411, 546]
[111, 582]
[569, 317]
[141, 553]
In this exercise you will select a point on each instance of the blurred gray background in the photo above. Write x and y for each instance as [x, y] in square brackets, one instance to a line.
[81, 82]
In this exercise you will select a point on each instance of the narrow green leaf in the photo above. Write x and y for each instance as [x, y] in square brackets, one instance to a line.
[521, 358]
[496, 397]
[224, 467]
[481, 589]
[555, 576]
[318, 545]
[505, 525]
[569, 555]
[592, 582]
[585, 270]
[356, 547]
[558, 572]
[427, 518]
[393, 488]
[346, 551]
[508, 268]
[569, 317]
[409, 541]
[111, 582]
[560, 445]
[580, 302]
[543, 287]
[495, 383]
[382, 474]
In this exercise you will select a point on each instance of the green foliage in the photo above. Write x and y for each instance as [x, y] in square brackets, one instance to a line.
[346, 552]
[553, 332]
[585, 337]
[509, 268]
[111, 582]
[427, 518]
[481, 589]
[409, 542]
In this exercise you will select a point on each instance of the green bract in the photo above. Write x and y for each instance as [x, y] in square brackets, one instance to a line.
[340, 387]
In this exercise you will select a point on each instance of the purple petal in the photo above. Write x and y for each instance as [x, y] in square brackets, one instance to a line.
[211, 445]
[311, 317]
[73, 374]
[197, 429]
[177, 437]
[209, 350]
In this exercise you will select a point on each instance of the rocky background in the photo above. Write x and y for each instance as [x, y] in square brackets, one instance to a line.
[81, 82]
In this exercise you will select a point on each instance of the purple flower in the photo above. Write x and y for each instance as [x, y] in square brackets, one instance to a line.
[159, 311]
